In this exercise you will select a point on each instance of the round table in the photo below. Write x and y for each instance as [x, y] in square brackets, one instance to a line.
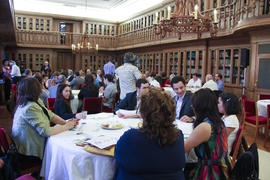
[64, 160]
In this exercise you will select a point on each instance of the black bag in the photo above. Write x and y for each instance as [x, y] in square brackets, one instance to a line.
[247, 165]
[11, 158]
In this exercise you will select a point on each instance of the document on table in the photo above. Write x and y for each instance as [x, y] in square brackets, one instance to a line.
[103, 141]
[186, 128]
[127, 112]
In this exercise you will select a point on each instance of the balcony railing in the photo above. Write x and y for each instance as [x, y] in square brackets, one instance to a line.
[230, 18]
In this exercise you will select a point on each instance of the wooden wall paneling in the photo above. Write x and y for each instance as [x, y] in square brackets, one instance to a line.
[184, 65]
[197, 62]
[216, 62]
[179, 63]
[209, 63]
[204, 62]
[167, 60]
[231, 71]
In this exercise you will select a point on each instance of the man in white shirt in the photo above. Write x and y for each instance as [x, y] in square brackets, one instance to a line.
[210, 83]
[127, 75]
[15, 72]
[195, 82]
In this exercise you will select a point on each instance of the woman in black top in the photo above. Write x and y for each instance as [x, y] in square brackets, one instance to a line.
[62, 104]
[89, 90]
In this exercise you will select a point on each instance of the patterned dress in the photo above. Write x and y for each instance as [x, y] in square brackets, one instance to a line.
[213, 159]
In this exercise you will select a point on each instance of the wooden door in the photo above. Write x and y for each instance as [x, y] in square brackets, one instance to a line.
[65, 61]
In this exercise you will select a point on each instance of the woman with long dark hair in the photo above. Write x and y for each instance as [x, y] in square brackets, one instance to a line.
[62, 103]
[89, 90]
[208, 138]
[31, 123]
[228, 105]
[155, 151]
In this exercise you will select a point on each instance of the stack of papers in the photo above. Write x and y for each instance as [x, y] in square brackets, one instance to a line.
[186, 128]
[103, 141]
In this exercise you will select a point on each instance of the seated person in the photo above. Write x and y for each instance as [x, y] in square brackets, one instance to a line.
[61, 79]
[89, 89]
[31, 123]
[96, 82]
[208, 139]
[168, 82]
[62, 103]
[184, 110]
[110, 90]
[195, 82]
[155, 151]
[76, 81]
[210, 83]
[228, 105]
[130, 102]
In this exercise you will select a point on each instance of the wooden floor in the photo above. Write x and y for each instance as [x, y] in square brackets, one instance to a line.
[6, 122]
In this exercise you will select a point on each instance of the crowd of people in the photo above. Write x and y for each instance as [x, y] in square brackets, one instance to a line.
[211, 139]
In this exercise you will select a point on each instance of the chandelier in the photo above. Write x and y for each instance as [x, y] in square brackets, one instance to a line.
[185, 19]
[84, 46]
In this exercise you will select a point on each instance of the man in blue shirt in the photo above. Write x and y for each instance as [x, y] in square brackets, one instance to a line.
[220, 83]
[109, 67]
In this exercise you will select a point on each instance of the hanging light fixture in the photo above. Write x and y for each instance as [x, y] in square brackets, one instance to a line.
[185, 19]
[84, 46]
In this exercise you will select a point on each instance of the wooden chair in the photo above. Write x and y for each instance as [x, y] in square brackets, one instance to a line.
[93, 105]
[264, 96]
[267, 124]
[236, 145]
[115, 101]
[50, 103]
[252, 120]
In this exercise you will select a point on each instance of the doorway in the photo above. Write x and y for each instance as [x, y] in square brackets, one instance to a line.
[65, 60]
[66, 30]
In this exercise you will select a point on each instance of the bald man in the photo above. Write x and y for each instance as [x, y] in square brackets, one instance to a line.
[210, 83]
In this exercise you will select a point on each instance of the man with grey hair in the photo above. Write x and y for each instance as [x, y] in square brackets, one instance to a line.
[210, 83]
[61, 79]
[127, 75]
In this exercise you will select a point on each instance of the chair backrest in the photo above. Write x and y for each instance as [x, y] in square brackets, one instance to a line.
[236, 144]
[264, 96]
[249, 107]
[81, 85]
[116, 98]
[50, 103]
[92, 105]
[4, 140]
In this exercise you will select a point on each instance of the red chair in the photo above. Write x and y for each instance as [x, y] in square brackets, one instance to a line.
[14, 91]
[264, 96]
[252, 120]
[115, 101]
[236, 145]
[92, 105]
[50, 103]
[25, 177]
[80, 86]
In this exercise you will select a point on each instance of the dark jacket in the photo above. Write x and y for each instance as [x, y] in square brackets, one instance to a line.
[128, 103]
[63, 110]
[141, 158]
[85, 92]
[186, 108]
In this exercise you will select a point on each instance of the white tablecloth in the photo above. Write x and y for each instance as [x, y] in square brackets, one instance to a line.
[262, 107]
[64, 160]
[170, 91]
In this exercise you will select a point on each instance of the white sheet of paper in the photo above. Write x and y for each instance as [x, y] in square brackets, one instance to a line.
[103, 141]
[186, 128]
[127, 112]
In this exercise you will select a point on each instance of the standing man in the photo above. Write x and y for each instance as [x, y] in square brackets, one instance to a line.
[127, 75]
[220, 84]
[46, 69]
[15, 72]
[184, 110]
[109, 67]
